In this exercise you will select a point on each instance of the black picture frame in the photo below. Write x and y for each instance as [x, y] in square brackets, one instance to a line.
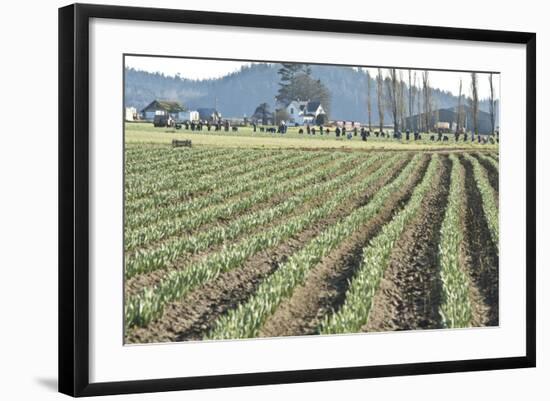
[74, 198]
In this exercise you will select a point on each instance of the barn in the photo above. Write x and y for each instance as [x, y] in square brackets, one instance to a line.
[164, 107]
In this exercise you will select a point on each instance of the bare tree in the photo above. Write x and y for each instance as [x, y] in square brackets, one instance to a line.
[475, 105]
[380, 93]
[427, 100]
[392, 99]
[492, 103]
[369, 106]
[402, 103]
[411, 100]
[459, 108]
[435, 111]
[418, 104]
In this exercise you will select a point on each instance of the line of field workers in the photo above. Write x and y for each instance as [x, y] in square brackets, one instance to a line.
[227, 243]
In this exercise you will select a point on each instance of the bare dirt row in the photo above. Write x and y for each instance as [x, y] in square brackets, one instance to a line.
[410, 290]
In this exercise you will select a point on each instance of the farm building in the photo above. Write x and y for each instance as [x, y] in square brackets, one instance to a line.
[209, 114]
[190, 115]
[301, 112]
[130, 114]
[447, 120]
[163, 107]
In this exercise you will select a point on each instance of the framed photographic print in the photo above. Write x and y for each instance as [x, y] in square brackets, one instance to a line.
[251, 199]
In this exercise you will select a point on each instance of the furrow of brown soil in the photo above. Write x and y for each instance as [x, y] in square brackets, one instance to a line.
[410, 290]
[192, 317]
[480, 255]
[326, 285]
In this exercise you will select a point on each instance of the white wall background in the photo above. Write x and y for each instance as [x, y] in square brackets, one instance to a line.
[28, 202]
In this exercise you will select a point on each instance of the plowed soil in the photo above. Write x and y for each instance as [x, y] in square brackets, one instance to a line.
[410, 291]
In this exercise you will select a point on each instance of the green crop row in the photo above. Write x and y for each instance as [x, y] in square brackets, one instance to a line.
[489, 160]
[194, 168]
[250, 181]
[246, 320]
[149, 260]
[141, 309]
[355, 311]
[287, 181]
[147, 164]
[184, 187]
[456, 308]
[494, 155]
[489, 204]
[204, 171]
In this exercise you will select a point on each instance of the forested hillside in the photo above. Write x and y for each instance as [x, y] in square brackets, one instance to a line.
[239, 93]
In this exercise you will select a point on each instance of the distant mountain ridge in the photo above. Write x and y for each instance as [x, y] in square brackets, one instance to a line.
[239, 93]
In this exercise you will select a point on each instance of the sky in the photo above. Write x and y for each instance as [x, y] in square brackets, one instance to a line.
[207, 69]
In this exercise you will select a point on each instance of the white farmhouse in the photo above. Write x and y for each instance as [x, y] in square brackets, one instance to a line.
[304, 112]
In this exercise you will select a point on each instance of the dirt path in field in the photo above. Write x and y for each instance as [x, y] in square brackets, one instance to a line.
[480, 255]
[138, 282]
[327, 283]
[492, 173]
[410, 290]
[191, 318]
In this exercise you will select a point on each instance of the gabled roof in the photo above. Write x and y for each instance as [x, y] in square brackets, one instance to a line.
[299, 103]
[306, 106]
[312, 106]
[166, 105]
